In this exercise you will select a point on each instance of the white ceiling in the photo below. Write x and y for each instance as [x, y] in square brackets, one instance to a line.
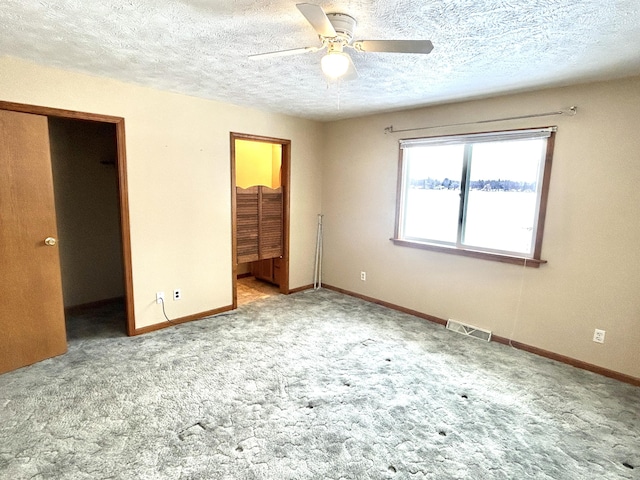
[200, 48]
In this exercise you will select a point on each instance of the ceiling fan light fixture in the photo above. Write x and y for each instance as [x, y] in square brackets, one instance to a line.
[335, 31]
[335, 64]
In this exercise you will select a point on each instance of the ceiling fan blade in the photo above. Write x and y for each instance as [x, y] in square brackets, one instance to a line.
[317, 18]
[352, 73]
[284, 53]
[394, 46]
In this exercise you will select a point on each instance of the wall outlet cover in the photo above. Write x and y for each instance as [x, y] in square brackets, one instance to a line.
[598, 335]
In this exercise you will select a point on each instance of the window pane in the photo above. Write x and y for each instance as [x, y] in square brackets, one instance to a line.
[503, 195]
[432, 201]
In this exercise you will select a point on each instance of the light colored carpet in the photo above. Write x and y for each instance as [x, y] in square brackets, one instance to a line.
[315, 385]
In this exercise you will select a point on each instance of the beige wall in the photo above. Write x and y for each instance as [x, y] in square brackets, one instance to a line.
[178, 162]
[179, 193]
[87, 210]
[592, 279]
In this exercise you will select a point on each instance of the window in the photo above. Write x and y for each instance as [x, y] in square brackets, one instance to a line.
[481, 195]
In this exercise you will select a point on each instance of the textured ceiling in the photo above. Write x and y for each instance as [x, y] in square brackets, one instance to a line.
[200, 48]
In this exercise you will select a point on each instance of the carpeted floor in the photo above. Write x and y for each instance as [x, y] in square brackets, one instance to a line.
[315, 385]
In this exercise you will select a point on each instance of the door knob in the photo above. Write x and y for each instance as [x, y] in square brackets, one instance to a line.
[50, 241]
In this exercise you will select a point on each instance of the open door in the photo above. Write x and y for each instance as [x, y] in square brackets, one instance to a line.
[31, 312]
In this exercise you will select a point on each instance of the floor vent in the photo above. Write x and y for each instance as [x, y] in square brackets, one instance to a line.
[468, 330]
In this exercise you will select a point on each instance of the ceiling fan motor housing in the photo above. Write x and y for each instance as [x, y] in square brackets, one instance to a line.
[343, 24]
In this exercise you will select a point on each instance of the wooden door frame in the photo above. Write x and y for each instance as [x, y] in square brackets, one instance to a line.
[123, 191]
[285, 180]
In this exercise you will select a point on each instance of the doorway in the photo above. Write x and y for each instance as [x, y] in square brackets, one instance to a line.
[260, 214]
[102, 141]
[85, 185]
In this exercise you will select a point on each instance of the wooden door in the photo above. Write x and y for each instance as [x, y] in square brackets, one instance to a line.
[31, 306]
[271, 219]
[247, 224]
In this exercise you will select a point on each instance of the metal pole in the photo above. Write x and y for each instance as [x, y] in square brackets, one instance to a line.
[317, 261]
[320, 256]
[315, 265]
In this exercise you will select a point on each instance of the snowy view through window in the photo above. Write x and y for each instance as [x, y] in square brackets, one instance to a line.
[499, 212]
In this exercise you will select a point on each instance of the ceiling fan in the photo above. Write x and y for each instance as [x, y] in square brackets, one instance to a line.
[336, 33]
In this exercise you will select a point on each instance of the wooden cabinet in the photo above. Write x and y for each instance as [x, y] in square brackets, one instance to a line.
[268, 270]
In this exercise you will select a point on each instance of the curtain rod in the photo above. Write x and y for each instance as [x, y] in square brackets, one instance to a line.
[571, 112]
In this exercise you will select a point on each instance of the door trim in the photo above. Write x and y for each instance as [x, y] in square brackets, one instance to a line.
[285, 180]
[123, 191]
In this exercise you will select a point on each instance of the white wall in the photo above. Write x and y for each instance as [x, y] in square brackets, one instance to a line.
[178, 167]
[591, 237]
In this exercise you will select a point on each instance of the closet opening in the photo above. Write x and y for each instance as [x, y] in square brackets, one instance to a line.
[85, 183]
[260, 216]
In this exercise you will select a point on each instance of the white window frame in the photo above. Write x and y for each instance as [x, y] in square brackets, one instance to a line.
[534, 258]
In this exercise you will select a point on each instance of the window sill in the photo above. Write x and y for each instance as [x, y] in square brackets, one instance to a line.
[496, 257]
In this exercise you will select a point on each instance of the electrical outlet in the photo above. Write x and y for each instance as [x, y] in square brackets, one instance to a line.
[159, 297]
[363, 276]
[598, 336]
[177, 294]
